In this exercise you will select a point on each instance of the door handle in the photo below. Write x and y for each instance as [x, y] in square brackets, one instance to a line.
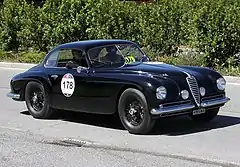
[54, 76]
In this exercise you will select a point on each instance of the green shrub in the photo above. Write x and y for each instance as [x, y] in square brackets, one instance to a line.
[213, 28]
[62, 21]
[160, 27]
[113, 20]
[31, 33]
[11, 14]
[3, 55]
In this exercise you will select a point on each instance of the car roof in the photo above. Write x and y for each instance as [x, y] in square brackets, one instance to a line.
[88, 44]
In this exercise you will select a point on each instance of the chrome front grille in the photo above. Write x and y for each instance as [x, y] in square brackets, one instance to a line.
[193, 85]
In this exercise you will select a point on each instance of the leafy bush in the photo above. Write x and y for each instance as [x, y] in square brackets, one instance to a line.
[62, 21]
[10, 24]
[160, 27]
[215, 29]
[3, 55]
[112, 19]
[31, 33]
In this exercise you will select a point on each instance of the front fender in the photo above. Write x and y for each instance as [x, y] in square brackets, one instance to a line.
[150, 86]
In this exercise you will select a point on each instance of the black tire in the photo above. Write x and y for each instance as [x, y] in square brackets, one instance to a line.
[37, 108]
[136, 97]
[206, 117]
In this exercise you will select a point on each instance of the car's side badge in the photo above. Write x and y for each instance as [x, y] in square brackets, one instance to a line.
[54, 76]
[68, 85]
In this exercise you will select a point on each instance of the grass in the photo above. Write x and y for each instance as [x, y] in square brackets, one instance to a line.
[231, 71]
[22, 57]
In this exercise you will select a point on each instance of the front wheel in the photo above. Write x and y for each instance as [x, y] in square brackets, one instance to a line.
[133, 112]
[37, 100]
[206, 117]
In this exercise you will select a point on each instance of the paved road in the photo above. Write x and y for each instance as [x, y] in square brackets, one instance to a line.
[23, 149]
[102, 141]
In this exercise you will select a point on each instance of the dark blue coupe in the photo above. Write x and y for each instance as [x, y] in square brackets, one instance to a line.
[116, 76]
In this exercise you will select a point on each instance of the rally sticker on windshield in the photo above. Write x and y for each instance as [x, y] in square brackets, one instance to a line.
[68, 85]
[129, 59]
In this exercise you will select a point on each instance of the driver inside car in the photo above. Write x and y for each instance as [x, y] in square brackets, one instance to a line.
[79, 58]
[112, 55]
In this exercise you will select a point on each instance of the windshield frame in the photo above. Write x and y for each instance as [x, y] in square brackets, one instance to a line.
[123, 63]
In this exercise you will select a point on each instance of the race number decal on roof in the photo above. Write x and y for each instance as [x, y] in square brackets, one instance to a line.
[68, 85]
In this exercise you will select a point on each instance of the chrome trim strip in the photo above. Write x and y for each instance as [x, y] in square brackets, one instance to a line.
[213, 102]
[184, 107]
[13, 95]
[172, 109]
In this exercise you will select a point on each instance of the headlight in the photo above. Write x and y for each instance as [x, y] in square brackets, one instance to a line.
[184, 94]
[161, 92]
[221, 83]
[202, 91]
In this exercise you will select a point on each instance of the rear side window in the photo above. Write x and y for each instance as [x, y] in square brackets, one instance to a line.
[64, 57]
[61, 58]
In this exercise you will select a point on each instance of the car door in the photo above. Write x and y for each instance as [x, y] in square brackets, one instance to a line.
[68, 85]
[101, 86]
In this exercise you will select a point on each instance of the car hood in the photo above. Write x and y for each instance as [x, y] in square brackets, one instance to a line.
[205, 77]
[157, 68]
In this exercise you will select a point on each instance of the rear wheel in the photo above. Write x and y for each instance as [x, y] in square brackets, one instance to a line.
[37, 100]
[206, 117]
[133, 112]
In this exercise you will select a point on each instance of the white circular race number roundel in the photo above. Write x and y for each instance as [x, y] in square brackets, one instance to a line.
[68, 85]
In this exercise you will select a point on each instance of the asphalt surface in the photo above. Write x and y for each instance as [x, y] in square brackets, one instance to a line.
[76, 139]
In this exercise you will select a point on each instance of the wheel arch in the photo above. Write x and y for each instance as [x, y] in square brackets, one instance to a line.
[40, 80]
[122, 89]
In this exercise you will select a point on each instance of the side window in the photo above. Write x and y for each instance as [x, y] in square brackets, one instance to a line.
[76, 58]
[105, 55]
[52, 59]
[64, 57]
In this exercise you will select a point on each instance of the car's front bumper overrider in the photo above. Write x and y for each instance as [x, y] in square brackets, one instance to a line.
[13, 95]
[180, 109]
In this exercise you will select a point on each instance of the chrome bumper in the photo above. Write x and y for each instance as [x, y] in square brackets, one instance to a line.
[213, 102]
[13, 96]
[186, 108]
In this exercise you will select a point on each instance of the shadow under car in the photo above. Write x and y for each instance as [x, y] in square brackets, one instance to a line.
[172, 126]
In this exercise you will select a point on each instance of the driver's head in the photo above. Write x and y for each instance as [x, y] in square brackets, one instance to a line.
[111, 49]
[77, 54]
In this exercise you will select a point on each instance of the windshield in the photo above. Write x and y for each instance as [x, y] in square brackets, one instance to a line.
[116, 55]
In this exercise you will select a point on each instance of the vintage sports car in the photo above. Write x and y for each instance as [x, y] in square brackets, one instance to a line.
[116, 76]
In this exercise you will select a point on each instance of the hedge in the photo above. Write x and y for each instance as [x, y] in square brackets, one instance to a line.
[160, 27]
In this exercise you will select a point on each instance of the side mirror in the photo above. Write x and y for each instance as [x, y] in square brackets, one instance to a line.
[145, 58]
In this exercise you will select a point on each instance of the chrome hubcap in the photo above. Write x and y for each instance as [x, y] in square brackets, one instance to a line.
[135, 113]
[37, 100]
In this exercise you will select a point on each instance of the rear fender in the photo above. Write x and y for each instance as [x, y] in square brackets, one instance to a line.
[18, 84]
